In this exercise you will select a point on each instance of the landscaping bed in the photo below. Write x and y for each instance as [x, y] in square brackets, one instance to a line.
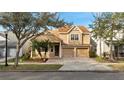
[32, 67]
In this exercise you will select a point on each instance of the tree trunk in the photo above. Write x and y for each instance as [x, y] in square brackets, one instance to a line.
[17, 54]
[111, 42]
[111, 52]
[118, 51]
[100, 48]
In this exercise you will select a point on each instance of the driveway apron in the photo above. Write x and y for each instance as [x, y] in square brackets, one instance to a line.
[81, 64]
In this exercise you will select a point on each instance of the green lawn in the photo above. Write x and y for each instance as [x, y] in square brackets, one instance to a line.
[117, 66]
[38, 67]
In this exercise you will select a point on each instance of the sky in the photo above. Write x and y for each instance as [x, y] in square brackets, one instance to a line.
[77, 18]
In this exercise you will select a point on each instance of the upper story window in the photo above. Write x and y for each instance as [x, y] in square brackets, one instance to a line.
[74, 37]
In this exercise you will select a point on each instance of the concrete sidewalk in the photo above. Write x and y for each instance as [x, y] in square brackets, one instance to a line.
[3, 59]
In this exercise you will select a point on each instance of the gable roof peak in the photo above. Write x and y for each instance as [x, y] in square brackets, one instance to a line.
[67, 28]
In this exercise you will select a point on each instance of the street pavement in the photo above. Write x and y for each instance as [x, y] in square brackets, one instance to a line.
[62, 75]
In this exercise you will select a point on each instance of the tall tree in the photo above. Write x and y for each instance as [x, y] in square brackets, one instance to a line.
[26, 25]
[106, 26]
[113, 24]
[98, 27]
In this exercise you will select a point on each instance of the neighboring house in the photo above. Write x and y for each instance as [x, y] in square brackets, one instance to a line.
[11, 45]
[93, 45]
[67, 41]
[105, 48]
[2, 39]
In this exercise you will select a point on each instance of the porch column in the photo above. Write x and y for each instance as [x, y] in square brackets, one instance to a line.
[48, 52]
[31, 53]
[60, 50]
[75, 52]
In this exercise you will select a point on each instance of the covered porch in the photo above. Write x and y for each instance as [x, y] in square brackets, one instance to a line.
[54, 50]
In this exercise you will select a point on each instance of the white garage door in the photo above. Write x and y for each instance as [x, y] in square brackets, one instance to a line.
[12, 52]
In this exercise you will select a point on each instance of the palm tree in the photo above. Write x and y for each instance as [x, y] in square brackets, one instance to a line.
[41, 46]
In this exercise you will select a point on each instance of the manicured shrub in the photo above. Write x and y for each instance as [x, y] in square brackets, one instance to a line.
[92, 54]
[25, 57]
[100, 59]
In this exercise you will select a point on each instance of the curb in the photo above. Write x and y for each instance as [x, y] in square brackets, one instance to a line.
[115, 71]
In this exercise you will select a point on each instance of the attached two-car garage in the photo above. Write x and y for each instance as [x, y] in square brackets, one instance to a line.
[75, 52]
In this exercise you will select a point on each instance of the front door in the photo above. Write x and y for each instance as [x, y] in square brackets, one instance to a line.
[56, 50]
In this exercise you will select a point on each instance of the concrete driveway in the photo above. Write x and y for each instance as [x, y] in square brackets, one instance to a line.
[80, 64]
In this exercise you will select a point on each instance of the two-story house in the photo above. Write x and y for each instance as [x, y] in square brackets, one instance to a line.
[67, 41]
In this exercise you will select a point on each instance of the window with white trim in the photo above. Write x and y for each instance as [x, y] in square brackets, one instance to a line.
[74, 37]
[52, 48]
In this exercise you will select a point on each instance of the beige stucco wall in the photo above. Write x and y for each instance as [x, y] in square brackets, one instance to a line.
[75, 31]
[86, 39]
[52, 54]
[83, 38]
[64, 38]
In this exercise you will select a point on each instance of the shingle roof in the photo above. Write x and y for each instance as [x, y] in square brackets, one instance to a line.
[47, 36]
[67, 28]
[83, 29]
[54, 32]
[53, 35]
[64, 28]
